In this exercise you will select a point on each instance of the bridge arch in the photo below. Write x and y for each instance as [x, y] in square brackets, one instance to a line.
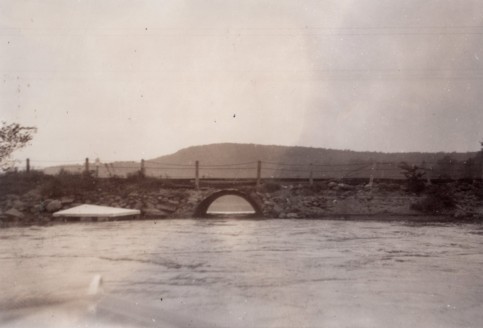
[202, 208]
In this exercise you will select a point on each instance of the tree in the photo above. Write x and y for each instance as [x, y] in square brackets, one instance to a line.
[13, 136]
[414, 177]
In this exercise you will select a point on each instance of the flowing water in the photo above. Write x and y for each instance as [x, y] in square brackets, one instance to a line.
[243, 273]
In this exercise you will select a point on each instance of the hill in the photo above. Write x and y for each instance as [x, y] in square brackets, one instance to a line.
[229, 160]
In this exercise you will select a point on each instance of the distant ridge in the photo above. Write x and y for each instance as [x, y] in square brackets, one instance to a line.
[239, 161]
[223, 153]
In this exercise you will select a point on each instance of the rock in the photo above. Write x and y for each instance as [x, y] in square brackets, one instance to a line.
[13, 212]
[193, 199]
[33, 194]
[138, 205]
[277, 209]
[154, 212]
[166, 208]
[54, 205]
[18, 204]
[292, 215]
[149, 204]
[37, 208]
[66, 200]
[345, 187]
[12, 197]
[173, 201]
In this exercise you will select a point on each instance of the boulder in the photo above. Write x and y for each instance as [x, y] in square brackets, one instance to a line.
[277, 209]
[166, 208]
[66, 200]
[149, 204]
[292, 215]
[173, 201]
[345, 187]
[33, 194]
[18, 204]
[54, 205]
[332, 184]
[12, 197]
[138, 205]
[13, 212]
[154, 212]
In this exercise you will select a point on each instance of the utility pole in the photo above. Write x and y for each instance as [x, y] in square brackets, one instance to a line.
[481, 159]
[197, 175]
[373, 170]
[311, 175]
[86, 166]
[259, 173]
[143, 169]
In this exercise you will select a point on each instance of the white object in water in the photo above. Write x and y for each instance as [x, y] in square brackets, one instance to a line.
[95, 286]
[96, 211]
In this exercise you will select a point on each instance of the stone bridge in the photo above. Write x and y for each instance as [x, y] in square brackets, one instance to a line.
[284, 201]
[294, 201]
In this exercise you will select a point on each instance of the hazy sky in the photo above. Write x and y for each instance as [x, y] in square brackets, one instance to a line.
[139, 79]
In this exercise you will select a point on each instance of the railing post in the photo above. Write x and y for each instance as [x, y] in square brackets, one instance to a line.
[142, 170]
[86, 165]
[429, 175]
[197, 175]
[311, 175]
[481, 159]
[371, 178]
[97, 163]
[259, 173]
[27, 168]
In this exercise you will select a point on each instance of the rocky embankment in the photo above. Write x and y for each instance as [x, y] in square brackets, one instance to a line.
[327, 199]
[382, 200]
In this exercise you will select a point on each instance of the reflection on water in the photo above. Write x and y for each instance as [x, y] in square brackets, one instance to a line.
[239, 273]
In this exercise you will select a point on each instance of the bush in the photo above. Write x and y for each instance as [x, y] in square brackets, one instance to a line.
[414, 177]
[389, 187]
[271, 187]
[438, 200]
[20, 182]
[66, 183]
[319, 187]
[135, 176]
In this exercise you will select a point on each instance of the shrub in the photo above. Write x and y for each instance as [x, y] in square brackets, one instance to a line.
[135, 176]
[66, 183]
[20, 182]
[388, 187]
[271, 187]
[438, 200]
[414, 177]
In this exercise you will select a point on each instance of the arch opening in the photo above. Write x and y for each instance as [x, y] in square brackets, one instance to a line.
[229, 203]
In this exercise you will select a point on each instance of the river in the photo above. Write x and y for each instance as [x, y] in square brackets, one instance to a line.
[243, 273]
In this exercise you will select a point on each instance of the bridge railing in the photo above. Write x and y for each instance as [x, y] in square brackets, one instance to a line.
[256, 171]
